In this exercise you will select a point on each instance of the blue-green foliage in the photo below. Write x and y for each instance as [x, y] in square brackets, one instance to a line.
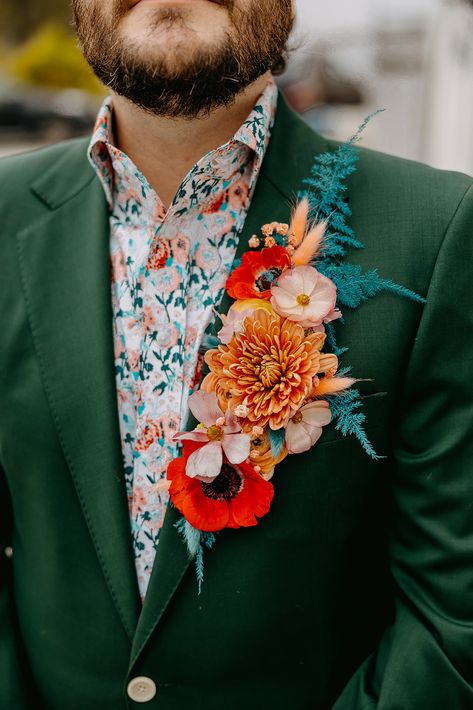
[276, 439]
[207, 541]
[190, 535]
[332, 339]
[349, 420]
[355, 286]
[327, 195]
[209, 341]
[195, 541]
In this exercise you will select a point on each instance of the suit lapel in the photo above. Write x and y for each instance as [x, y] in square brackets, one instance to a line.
[64, 262]
[288, 161]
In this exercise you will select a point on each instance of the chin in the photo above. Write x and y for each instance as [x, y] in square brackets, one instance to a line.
[188, 30]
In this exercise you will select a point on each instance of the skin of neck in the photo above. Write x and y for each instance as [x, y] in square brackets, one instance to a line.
[166, 149]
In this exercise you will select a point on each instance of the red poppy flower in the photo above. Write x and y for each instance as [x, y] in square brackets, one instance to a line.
[234, 499]
[259, 270]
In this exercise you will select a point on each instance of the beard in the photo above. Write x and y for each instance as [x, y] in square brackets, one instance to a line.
[186, 82]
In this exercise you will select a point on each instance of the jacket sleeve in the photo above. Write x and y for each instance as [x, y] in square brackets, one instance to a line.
[14, 685]
[425, 659]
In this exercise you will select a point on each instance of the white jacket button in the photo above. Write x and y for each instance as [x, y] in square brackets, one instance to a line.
[141, 689]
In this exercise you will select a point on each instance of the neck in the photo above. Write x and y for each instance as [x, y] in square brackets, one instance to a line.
[165, 149]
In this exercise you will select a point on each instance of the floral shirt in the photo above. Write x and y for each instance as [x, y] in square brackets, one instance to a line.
[168, 270]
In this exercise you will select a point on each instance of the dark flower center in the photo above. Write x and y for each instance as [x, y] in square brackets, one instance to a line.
[226, 486]
[267, 278]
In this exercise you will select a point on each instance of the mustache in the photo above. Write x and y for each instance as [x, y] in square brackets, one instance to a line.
[121, 7]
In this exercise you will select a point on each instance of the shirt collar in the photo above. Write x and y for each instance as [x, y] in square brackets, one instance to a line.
[254, 133]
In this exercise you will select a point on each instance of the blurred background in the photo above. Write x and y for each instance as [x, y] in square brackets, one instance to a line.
[413, 58]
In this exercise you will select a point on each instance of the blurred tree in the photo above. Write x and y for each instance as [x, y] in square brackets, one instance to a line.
[19, 20]
[50, 58]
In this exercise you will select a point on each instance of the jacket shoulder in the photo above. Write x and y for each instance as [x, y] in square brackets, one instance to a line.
[401, 212]
[397, 186]
[408, 177]
[26, 167]
[63, 168]
[19, 172]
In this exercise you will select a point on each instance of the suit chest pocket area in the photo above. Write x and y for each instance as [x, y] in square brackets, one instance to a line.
[308, 486]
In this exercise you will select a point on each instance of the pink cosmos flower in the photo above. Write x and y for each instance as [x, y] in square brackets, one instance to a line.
[220, 434]
[305, 296]
[305, 427]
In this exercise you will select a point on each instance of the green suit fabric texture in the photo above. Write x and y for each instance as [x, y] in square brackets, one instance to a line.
[356, 591]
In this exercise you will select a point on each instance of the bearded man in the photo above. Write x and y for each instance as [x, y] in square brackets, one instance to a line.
[355, 592]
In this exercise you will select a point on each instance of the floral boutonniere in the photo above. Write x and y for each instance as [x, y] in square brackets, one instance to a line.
[265, 396]
[273, 379]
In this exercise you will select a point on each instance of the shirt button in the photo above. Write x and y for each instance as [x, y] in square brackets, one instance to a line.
[141, 689]
[8, 552]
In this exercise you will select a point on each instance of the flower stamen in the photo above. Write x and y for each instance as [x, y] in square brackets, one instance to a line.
[215, 433]
[303, 299]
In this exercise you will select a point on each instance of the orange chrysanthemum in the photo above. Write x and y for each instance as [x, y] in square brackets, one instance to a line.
[257, 273]
[268, 369]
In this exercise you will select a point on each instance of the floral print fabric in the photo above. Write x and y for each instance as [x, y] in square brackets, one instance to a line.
[168, 268]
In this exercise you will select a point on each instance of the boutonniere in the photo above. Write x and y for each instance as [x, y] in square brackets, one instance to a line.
[274, 380]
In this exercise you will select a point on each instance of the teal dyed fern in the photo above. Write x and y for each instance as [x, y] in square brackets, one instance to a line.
[349, 419]
[354, 286]
[195, 541]
[327, 196]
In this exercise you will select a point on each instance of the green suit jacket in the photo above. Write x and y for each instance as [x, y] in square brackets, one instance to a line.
[356, 591]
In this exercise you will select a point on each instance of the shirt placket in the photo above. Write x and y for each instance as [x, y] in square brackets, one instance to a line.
[207, 215]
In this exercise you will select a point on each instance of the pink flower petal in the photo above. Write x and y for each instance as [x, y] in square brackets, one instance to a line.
[303, 435]
[204, 407]
[236, 447]
[292, 281]
[324, 290]
[305, 280]
[284, 299]
[196, 435]
[231, 424]
[309, 277]
[232, 323]
[297, 439]
[205, 463]
[316, 414]
[334, 315]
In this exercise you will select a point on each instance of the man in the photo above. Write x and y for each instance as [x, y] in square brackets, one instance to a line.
[355, 592]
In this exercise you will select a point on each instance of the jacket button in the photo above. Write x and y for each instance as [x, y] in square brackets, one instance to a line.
[141, 689]
[8, 551]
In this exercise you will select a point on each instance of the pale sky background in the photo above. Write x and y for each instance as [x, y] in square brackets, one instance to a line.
[351, 33]
[340, 15]
[349, 27]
